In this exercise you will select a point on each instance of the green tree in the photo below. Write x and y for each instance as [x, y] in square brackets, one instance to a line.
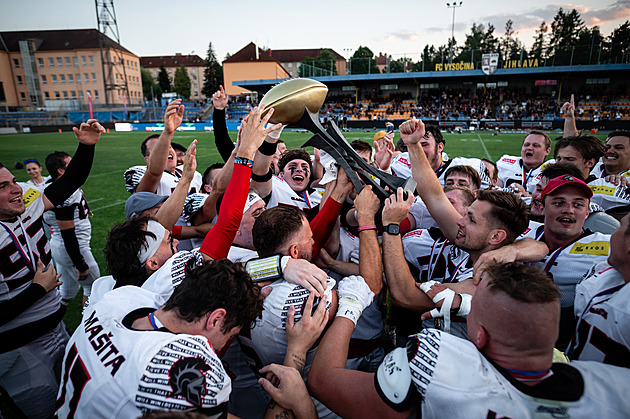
[322, 65]
[181, 84]
[163, 80]
[149, 88]
[479, 41]
[212, 73]
[565, 30]
[510, 45]
[619, 42]
[540, 42]
[363, 62]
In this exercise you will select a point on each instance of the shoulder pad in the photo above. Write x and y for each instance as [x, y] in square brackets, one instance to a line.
[393, 381]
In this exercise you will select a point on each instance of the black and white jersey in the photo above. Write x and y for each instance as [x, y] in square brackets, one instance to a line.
[111, 370]
[511, 170]
[445, 376]
[602, 305]
[76, 209]
[23, 244]
[168, 182]
[401, 167]
[282, 194]
[608, 195]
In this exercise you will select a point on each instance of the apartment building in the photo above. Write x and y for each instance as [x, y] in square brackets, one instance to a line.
[57, 69]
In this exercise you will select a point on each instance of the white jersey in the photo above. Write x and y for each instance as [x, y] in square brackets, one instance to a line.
[193, 203]
[511, 170]
[454, 380]
[401, 167]
[22, 244]
[602, 305]
[111, 370]
[571, 264]
[433, 258]
[241, 254]
[421, 214]
[282, 194]
[608, 195]
[76, 209]
[600, 171]
[167, 184]
[40, 186]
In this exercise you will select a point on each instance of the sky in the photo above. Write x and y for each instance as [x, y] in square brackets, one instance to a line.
[395, 27]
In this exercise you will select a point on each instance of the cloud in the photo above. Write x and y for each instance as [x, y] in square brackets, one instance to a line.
[402, 35]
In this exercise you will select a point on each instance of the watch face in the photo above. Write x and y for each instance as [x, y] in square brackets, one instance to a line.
[393, 229]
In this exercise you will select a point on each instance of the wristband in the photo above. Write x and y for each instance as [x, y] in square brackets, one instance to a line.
[244, 161]
[364, 228]
[176, 231]
[262, 178]
[464, 306]
[267, 148]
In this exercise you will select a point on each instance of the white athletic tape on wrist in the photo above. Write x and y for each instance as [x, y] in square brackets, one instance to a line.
[350, 309]
[464, 307]
[426, 286]
[446, 296]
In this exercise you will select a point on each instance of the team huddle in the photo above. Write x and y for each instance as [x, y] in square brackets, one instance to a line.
[269, 286]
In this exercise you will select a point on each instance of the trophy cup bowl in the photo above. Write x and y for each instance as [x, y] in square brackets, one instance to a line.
[289, 98]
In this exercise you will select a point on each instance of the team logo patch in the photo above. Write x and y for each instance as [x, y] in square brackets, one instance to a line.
[599, 248]
[30, 196]
[187, 379]
[604, 190]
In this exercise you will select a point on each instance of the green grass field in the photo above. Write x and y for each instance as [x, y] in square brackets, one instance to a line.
[117, 151]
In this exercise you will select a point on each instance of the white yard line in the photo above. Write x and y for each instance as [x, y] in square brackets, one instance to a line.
[484, 147]
[117, 202]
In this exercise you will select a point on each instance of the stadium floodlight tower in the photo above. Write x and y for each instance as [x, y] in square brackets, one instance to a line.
[453, 6]
[112, 61]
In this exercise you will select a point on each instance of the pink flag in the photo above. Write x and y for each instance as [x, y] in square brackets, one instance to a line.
[90, 104]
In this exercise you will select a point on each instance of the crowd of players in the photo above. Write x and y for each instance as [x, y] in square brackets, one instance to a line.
[228, 289]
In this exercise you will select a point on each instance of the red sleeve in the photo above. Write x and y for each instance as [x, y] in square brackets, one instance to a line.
[323, 223]
[405, 227]
[220, 237]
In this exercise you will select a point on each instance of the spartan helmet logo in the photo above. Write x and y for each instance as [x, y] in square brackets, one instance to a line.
[186, 378]
[568, 178]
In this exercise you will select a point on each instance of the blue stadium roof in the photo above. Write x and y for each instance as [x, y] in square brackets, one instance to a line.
[447, 74]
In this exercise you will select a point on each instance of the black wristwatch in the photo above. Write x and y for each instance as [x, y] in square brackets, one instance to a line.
[392, 229]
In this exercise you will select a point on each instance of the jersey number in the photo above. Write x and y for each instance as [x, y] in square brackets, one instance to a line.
[75, 369]
[614, 352]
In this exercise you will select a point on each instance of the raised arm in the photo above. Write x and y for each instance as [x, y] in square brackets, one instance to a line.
[370, 261]
[159, 154]
[171, 209]
[218, 241]
[429, 186]
[399, 279]
[79, 167]
[261, 172]
[221, 137]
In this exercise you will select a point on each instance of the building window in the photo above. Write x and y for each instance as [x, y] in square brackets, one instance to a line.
[194, 70]
[16, 63]
[96, 94]
[54, 78]
[40, 62]
[65, 94]
[44, 81]
[46, 95]
[51, 62]
[195, 85]
[75, 61]
[83, 60]
[155, 73]
[116, 77]
[73, 94]
[196, 93]
[59, 62]
[62, 78]
[194, 77]
[290, 65]
[68, 62]
[22, 96]
[70, 78]
[19, 79]
[57, 96]
[93, 77]
[86, 78]
[78, 77]
[128, 63]
[91, 57]
[80, 94]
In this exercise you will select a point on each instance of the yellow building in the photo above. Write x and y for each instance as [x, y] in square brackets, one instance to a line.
[57, 69]
[254, 63]
[193, 64]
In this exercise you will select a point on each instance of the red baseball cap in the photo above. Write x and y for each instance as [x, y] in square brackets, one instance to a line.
[565, 180]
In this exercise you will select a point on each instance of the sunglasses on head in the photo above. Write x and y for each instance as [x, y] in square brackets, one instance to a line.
[30, 161]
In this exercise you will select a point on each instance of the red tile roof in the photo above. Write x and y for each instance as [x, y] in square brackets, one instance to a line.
[172, 61]
[58, 40]
[248, 53]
